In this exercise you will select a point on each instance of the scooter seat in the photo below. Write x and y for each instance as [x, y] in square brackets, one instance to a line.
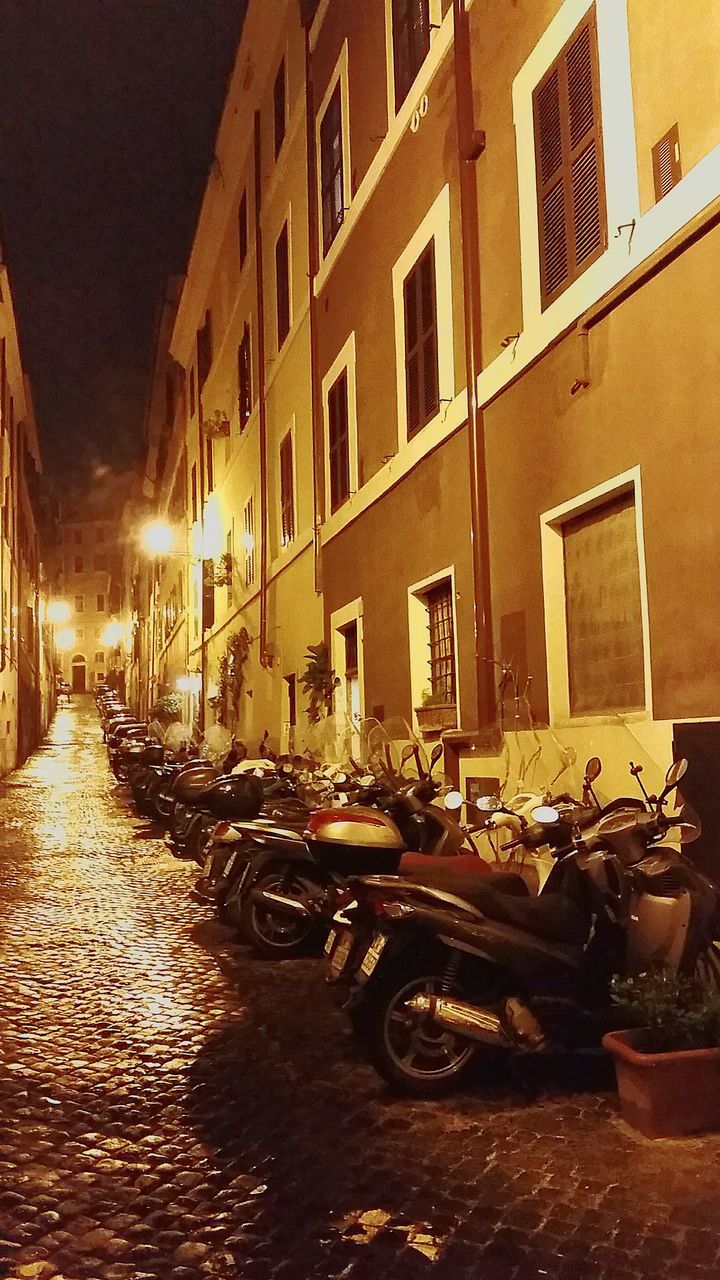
[464, 870]
[551, 916]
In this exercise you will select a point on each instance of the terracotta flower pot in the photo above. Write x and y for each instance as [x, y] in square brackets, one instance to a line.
[436, 717]
[665, 1095]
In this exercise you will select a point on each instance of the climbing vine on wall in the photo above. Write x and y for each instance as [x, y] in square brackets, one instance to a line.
[231, 677]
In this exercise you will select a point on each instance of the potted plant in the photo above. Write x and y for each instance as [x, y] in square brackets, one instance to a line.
[436, 713]
[667, 1062]
[319, 682]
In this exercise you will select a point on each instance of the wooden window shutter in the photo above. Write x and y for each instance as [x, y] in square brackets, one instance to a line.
[421, 350]
[279, 105]
[339, 442]
[243, 229]
[282, 282]
[287, 491]
[667, 169]
[244, 379]
[569, 164]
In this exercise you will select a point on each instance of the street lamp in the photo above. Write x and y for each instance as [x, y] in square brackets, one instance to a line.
[66, 639]
[59, 612]
[158, 538]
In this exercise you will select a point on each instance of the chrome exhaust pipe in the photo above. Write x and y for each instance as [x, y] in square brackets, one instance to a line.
[277, 900]
[464, 1019]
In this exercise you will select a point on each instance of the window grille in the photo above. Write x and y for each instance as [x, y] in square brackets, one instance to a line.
[442, 642]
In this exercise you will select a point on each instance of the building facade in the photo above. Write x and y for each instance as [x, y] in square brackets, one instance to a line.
[449, 361]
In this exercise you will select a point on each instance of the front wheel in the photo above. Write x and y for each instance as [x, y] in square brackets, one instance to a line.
[273, 933]
[410, 1053]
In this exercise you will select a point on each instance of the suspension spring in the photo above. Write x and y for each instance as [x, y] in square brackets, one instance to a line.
[452, 969]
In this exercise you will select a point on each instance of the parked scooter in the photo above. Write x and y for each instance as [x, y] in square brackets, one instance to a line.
[433, 975]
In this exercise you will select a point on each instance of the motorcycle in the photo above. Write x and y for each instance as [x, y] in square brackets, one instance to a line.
[433, 977]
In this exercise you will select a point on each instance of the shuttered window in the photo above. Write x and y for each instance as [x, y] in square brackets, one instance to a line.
[603, 609]
[204, 345]
[243, 229]
[192, 392]
[421, 349]
[249, 541]
[569, 164]
[209, 465]
[667, 169]
[244, 379]
[279, 108]
[442, 642]
[339, 442]
[194, 493]
[411, 43]
[287, 491]
[282, 282]
[331, 169]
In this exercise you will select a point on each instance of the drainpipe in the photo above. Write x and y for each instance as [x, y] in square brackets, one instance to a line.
[471, 143]
[203, 645]
[313, 265]
[262, 408]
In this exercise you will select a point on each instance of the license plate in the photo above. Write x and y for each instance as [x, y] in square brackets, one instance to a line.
[230, 863]
[341, 951]
[372, 955]
[208, 863]
[330, 941]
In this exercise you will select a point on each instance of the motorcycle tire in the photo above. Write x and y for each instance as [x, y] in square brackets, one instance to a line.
[410, 1055]
[271, 934]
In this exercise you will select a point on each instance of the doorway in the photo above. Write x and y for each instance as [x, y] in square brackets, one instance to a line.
[78, 674]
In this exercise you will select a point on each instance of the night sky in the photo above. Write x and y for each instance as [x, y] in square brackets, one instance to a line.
[108, 113]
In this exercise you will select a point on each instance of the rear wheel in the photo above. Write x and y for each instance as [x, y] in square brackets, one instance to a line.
[411, 1053]
[275, 933]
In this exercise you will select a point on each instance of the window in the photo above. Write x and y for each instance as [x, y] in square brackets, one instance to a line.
[192, 392]
[421, 347]
[244, 378]
[339, 442]
[243, 229]
[279, 107]
[230, 567]
[351, 669]
[101, 604]
[442, 642]
[287, 491]
[606, 669]
[194, 493]
[79, 604]
[667, 169]
[249, 541]
[209, 470]
[100, 534]
[569, 164]
[100, 563]
[411, 43]
[332, 179]
[78, 564]
[100, 658]
[282, 285]
[291, 683]
[204, 345]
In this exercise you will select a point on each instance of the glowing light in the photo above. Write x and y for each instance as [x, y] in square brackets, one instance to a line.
[66, 639]
[190, 683]
[158, 538]
[213, 538]
[113, 634]
[59, 611]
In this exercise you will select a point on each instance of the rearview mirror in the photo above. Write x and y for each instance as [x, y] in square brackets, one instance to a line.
[593, 768]
[436, 753]
[487, 804]
[454, 800]
[407, 752]
[675, 773]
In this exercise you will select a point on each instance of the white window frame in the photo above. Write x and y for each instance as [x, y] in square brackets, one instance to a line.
[345, 361]
[435, 226]
[622, 195]
[419, 639]
[553, 571]
[290, 428]
[435, 23]
[340, 74]
[352, 612]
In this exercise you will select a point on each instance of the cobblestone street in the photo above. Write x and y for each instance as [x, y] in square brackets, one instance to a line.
[171, 1106]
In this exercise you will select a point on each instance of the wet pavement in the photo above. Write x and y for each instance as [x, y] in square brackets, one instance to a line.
[172, 1107]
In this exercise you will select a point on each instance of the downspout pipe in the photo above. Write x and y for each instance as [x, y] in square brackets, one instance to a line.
[313, 264]
[262, 407]
[203, 618]
[471, 143]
